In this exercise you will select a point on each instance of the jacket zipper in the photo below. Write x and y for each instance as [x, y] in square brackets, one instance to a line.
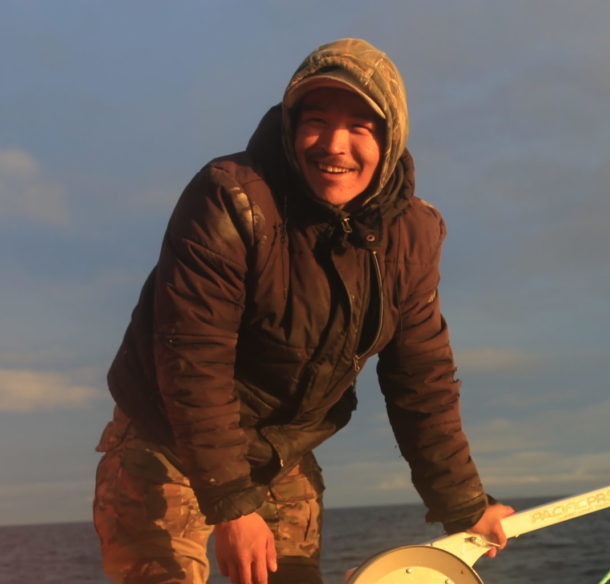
[345, 224]
[377, 269]
[347, 229]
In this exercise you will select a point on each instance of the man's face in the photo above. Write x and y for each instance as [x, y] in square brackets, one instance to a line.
[337, 143]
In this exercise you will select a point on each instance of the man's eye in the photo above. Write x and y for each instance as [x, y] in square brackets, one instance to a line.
[312, 124]
[364, 127]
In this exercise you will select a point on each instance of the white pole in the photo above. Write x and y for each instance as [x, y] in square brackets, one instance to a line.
[556, 512]
[470, 547]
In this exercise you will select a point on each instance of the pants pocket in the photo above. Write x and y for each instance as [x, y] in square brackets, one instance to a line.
[293, 510]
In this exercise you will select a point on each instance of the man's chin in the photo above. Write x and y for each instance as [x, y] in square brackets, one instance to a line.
[334, 198]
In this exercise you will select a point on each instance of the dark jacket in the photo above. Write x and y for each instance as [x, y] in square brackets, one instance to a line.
[244, 347]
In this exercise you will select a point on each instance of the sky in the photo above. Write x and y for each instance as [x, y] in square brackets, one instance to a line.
[108, 109]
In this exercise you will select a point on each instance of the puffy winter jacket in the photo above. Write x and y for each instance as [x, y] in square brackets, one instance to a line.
[243, 350]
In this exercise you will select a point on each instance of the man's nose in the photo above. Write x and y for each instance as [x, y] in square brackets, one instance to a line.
[335, 140]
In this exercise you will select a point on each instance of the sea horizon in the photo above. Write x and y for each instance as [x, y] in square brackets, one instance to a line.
[571, 552]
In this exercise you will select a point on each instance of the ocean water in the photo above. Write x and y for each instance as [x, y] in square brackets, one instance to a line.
[573, 552]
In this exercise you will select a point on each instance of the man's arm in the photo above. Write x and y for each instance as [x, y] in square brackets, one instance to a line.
[200, 295]
[199, 302]
[417, 376]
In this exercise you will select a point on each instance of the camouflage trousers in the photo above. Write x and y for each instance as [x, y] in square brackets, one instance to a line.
[152, 532]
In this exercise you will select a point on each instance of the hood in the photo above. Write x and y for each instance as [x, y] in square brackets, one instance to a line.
[370, 73]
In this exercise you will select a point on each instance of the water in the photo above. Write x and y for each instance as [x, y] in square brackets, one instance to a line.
[573, 552]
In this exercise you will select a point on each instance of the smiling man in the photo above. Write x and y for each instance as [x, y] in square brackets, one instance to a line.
[282, 270]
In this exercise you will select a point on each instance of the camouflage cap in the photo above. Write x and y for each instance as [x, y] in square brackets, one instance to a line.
[334, 78]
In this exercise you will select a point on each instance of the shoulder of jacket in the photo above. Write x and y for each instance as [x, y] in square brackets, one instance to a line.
[238, 176]
[243, 189]
[420, 231]
[235, 168]
[424, 216]
[420, 205]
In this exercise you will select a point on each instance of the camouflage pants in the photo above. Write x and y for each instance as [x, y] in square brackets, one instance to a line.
[152, 532]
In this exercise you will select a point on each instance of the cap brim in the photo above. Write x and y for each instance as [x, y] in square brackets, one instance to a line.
[296, 93]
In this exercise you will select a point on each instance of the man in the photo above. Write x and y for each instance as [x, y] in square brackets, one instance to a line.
[283, 269]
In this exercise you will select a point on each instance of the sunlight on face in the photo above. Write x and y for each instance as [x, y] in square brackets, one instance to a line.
[337, 143]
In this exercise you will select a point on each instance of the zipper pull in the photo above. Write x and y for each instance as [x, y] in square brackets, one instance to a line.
[347, 228]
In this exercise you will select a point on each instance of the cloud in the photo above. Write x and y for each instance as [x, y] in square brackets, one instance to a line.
[569, 430]
[553, 452]
[385, 482]
[50, 489]
[41, 358]
[23, 390]
[494, 359]
[393, 482]
[26, 193]
[551, 469]
[522, 400]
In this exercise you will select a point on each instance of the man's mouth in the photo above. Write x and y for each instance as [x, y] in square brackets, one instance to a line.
[330, 168]
[333, 169]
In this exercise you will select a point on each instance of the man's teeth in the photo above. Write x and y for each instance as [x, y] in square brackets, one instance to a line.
[333, 169]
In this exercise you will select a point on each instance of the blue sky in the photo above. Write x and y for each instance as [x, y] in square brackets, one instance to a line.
[108, 109]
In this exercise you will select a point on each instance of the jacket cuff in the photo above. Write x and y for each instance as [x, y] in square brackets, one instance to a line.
[474, 513]
[262, 456]
[220, 505]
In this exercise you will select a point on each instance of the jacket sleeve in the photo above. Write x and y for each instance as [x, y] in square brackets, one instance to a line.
[416, 373]
[199, 302]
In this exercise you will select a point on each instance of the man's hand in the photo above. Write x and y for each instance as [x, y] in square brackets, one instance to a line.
[245, 549]
[490, 528]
